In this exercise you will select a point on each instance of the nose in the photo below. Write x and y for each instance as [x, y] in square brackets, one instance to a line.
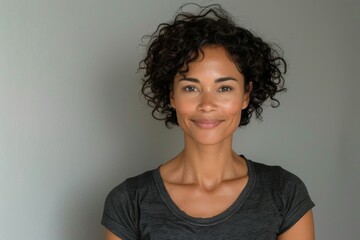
[207, 102]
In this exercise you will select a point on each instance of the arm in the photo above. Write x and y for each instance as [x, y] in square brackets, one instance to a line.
[302, 230]
[110, 236]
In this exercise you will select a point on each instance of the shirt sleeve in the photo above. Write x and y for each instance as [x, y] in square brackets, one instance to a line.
[295, 201]
[119, 213]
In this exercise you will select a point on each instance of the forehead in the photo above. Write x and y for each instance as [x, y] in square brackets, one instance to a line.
[212, 59]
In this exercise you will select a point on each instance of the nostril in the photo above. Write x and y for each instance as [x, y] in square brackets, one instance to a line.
[206, 106]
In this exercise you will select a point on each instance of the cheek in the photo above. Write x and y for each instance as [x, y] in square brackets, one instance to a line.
[233, 111]
[184, 108]
[233, 107]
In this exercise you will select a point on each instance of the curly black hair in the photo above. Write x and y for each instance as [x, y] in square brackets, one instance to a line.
[174, 45]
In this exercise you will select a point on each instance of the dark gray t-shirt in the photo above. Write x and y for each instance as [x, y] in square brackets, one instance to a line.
[272, 201]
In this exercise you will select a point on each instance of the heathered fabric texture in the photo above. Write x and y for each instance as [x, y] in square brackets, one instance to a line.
[272, 201]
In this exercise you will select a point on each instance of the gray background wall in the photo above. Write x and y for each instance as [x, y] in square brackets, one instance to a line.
[73, 124]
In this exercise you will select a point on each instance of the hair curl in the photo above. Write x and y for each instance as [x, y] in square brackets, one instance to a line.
[176, 44]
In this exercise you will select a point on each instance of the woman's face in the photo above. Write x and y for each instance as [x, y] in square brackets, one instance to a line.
[209, 98]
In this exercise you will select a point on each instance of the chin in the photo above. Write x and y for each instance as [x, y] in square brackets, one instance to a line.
[222, 133]
[210, 139]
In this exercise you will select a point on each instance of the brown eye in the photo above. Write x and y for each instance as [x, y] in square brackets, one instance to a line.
[225, 89]
[190, 89]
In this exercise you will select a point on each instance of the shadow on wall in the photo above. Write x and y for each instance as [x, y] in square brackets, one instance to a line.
[134, 143]
[79, 213]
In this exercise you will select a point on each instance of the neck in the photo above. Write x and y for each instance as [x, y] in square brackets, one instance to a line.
[209, 165]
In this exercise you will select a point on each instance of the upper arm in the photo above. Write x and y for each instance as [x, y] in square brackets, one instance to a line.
[119, 216]
[110, 236]
[302, 230]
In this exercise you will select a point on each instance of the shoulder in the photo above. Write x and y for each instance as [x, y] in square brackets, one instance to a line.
[285, 190]
[121, 210]
[132, 186]
[275, 176]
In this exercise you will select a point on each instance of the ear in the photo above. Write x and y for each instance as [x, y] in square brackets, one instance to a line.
[171, 97]
[246, 99]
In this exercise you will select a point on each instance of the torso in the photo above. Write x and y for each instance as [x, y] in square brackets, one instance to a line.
[265, 208]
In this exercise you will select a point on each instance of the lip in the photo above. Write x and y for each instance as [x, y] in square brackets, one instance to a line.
[207, 123]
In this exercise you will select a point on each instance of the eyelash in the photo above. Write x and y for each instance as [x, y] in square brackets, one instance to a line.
[193, 89]
[187, 88]
[228, 88]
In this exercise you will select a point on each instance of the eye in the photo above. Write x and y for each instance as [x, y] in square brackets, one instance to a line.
[225, 89]
[190, 89]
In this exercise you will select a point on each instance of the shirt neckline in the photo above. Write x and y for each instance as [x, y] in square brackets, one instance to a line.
[221, 217]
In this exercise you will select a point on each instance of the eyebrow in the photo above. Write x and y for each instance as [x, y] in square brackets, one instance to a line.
[218, 80]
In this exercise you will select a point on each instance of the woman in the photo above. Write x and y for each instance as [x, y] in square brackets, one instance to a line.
[207, 75]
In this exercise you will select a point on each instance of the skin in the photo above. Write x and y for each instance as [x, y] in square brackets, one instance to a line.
[207, 173]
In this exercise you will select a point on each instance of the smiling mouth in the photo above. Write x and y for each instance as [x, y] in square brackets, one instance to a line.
[207, 124]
